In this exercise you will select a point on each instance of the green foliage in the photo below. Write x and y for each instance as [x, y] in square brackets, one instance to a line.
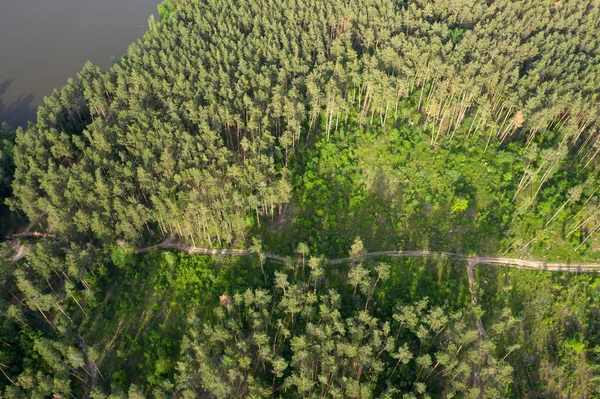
[197, 130]
[390, 187]
[9, 221]
[166, 9]
[559, 312]
[455, 35]
[43, 352]
[7, 137]
[296, 342]
[460, 205]
[297, 127]
[168, 322]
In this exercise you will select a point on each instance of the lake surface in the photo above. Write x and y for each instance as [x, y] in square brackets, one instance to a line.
[44, 42]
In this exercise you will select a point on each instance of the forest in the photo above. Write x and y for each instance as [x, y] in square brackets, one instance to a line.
[313, 130]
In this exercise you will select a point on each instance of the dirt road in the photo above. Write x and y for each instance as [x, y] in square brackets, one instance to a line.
[470, 259]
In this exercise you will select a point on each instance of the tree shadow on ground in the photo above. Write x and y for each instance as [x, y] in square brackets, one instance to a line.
[16, 112]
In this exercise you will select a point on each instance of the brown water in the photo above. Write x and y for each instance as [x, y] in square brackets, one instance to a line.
[44, 42]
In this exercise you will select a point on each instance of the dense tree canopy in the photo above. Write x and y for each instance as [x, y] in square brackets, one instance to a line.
[7, 167]
[302, 342]
[293, 127]
[166, 325]
[191, 133]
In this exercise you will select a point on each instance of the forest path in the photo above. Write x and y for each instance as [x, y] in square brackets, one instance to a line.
[472, 260]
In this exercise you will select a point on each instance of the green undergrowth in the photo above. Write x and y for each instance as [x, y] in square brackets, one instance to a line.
[138, 327]
[139, 316]
[396, 191]
[142, 306]
[134, 311]
[559, 333]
